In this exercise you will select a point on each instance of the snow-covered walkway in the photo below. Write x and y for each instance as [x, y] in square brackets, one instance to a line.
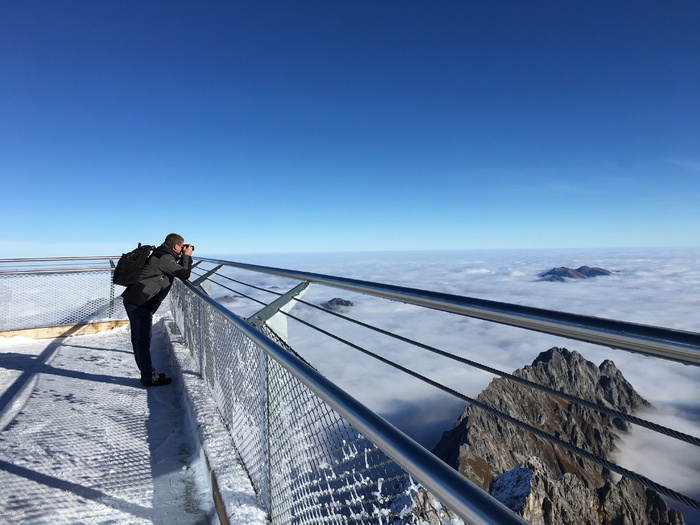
[81, 441]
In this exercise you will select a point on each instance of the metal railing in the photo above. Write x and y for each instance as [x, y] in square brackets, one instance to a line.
[51, 292]
[674, 345]
[314, 453]
[665, 343]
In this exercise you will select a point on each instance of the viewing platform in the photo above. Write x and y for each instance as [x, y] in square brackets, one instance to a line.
[250, 432]
[82, 441]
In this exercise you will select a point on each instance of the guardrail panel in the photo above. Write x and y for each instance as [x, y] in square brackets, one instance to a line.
[308, 464]
[58, 299]
[234, 370]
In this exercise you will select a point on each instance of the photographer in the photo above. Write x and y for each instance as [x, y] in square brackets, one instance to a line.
[141, 300]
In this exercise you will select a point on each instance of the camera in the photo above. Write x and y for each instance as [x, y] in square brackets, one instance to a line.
[188, 246]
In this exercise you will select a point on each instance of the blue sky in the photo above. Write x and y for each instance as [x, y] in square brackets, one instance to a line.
[286, 126]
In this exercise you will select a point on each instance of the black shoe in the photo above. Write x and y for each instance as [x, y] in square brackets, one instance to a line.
[159, 380]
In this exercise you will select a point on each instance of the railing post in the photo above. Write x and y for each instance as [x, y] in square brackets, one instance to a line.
[269, 440]
[111, 291]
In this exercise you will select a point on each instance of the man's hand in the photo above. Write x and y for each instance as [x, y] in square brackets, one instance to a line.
[187, 249]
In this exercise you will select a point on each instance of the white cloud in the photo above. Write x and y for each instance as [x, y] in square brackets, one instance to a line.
[671, 463]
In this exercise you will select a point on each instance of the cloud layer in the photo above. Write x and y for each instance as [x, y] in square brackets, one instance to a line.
[656, 287]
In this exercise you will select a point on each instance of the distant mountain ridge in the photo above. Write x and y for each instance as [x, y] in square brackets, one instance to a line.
[584, 272]
[496, 455]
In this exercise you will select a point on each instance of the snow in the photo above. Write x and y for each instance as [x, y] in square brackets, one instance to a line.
[81, 441]
[512, 487]
[232, 482]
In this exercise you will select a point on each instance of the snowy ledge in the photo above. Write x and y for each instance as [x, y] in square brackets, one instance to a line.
[232, 490]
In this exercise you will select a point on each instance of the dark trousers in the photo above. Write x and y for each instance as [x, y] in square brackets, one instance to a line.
[141, 320]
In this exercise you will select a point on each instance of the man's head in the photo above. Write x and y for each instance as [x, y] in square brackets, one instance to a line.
[173, 240]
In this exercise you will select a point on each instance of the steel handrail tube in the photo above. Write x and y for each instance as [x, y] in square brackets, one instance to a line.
[55, 271]
[462, 496]
[53, 259]
[74, 268]
[674, 345]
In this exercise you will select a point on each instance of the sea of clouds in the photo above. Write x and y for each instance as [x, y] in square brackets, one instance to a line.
[648, 286]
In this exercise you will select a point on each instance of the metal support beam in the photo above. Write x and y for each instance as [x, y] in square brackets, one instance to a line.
[203, 281]
[259, 318]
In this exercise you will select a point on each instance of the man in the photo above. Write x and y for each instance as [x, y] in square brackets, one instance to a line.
[141, 300]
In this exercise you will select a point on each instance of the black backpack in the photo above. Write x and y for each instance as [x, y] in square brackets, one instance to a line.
[128, 270]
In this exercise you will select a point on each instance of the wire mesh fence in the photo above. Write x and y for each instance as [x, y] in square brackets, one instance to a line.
[308, 464]
[59, 298]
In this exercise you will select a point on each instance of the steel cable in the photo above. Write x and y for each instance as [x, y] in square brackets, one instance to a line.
[642, 480]
[563, 395]
[670, 432]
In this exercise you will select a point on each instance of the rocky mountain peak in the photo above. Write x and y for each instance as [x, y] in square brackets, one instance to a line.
[483, 447]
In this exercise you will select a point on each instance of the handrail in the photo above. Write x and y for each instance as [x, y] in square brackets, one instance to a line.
[47, 259]
[59, 270]
[665, 343]
[53, 269]
[449, 486]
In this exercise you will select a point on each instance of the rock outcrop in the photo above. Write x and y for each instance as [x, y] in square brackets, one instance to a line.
[532, 491]
[483, 447]
[584, 272]
[337, 304]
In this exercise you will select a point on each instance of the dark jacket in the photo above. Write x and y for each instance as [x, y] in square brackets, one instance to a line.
[157, 277]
